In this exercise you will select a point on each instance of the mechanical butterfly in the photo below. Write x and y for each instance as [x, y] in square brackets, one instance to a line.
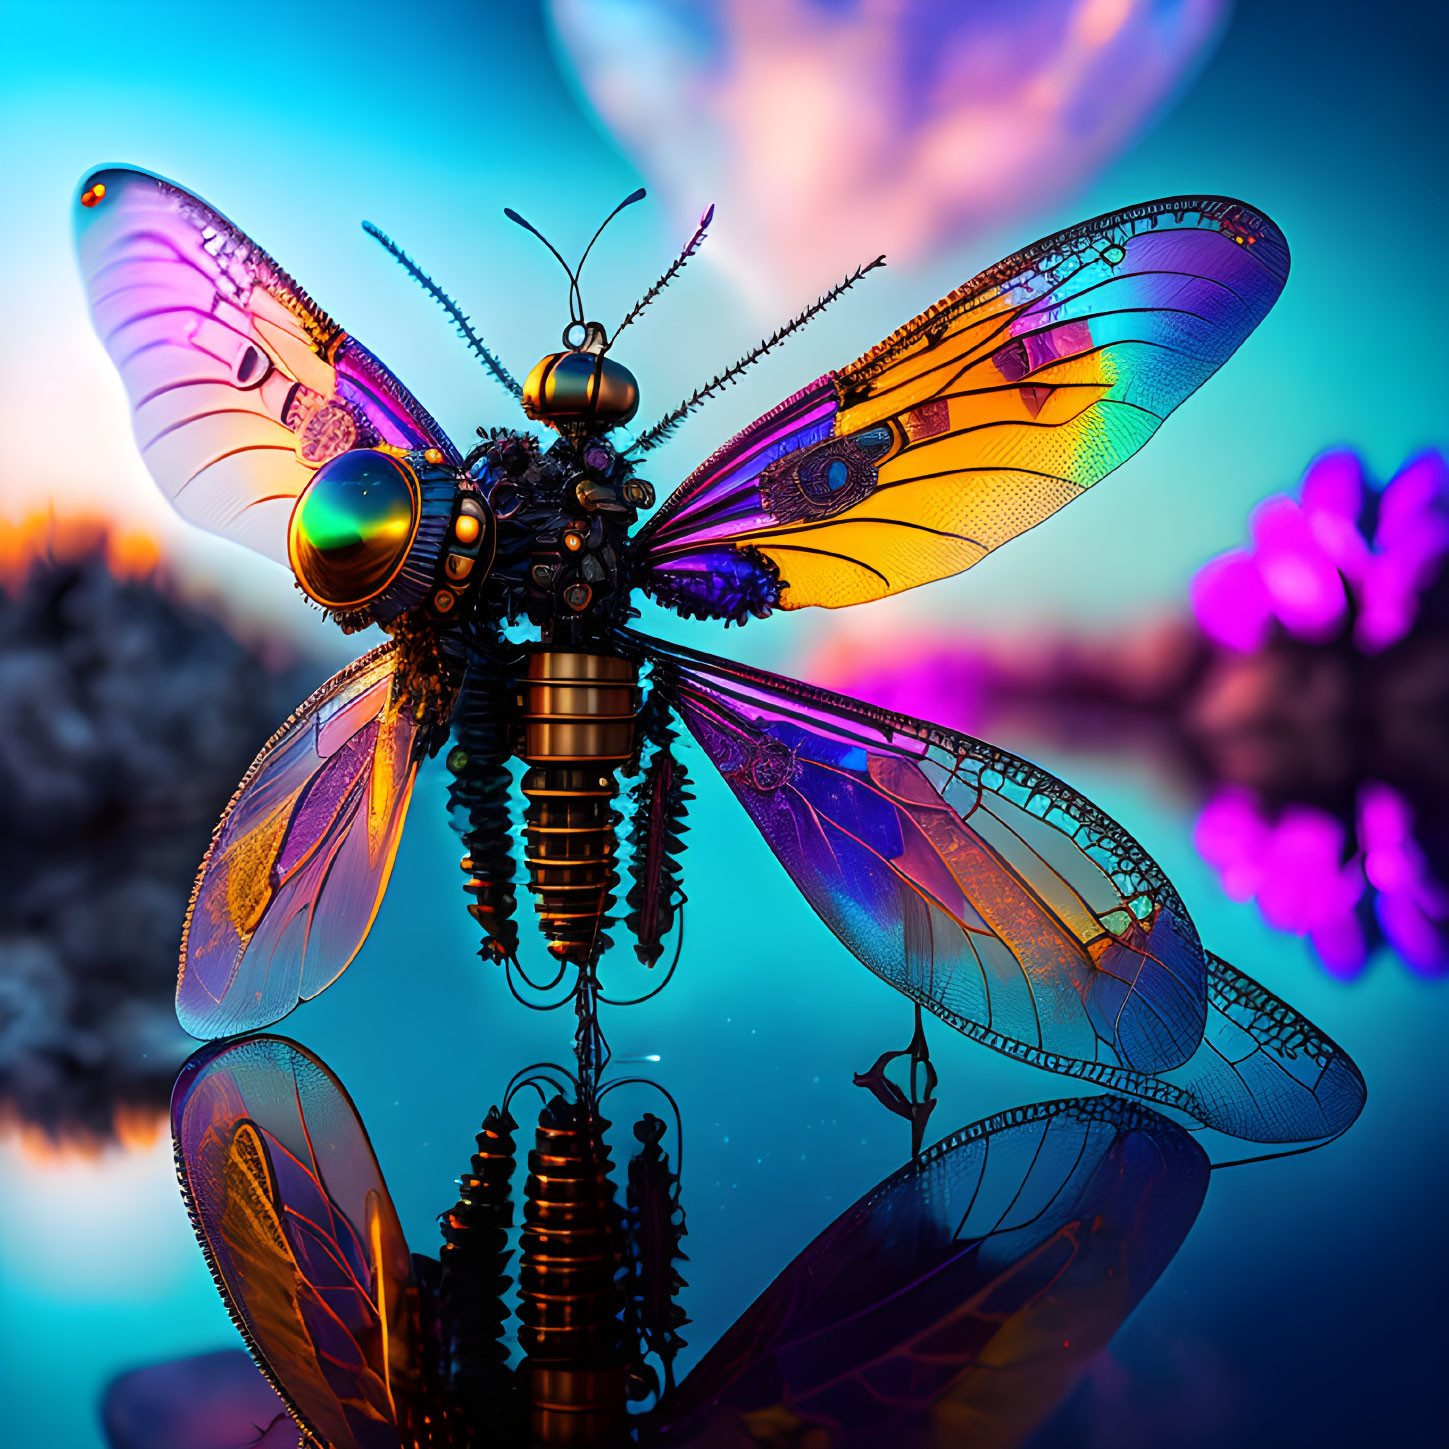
[988, 891]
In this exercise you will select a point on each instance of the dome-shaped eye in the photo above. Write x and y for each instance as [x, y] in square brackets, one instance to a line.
[352, 527]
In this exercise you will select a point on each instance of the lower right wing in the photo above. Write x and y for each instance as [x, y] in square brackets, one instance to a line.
[1006, 903]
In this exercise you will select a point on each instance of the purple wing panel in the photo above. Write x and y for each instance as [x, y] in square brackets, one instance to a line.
[688, 551]
[1262, 1072]
[959, 1300]
[984, 888]
[973, 422]
[240, 385]
[1005, 902]
[301, 858]
[294, 1217]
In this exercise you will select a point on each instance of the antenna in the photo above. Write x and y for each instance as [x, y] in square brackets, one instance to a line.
[629, 200]
[460, 319]
[576, 299]
[664, 428]
[675, 267]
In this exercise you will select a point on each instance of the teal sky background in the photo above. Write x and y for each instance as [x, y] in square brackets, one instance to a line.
[427, 119]
[300, 127]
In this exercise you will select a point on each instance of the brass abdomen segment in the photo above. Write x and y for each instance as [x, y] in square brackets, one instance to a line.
[570, 1304]
[578, 727]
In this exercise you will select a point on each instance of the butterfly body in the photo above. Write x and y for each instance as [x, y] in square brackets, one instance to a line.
[552, 552]
[564, 516]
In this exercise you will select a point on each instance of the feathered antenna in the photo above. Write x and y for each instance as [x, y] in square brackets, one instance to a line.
[664, 428]
[576, 297]
[675, 267]
[460, 319]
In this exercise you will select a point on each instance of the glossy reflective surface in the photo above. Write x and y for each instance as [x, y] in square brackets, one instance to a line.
[758, 1043]
[352, 527]
[963, 1296]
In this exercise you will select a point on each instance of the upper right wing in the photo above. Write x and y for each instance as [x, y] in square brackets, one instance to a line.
[973, 422]
[300, 860]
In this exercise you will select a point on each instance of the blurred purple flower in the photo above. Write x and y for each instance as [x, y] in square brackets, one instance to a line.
[1294, 867]
[1310, 879]
[1411, 907]
[1339, 551]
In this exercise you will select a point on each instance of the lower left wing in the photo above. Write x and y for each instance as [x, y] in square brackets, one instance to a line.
[301, 858]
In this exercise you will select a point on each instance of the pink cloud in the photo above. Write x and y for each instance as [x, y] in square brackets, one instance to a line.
[829, 133]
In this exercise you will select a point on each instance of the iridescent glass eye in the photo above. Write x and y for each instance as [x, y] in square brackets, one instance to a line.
[352, 527]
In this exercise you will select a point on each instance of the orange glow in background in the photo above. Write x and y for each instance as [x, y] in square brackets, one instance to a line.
[40, 535]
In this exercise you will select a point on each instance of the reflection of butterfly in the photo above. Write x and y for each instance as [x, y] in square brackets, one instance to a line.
[967, 1291]
[991, 893]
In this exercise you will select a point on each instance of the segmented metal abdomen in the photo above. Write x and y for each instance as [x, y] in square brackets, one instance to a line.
[478, 802]
[570, 1301]
[578, 713]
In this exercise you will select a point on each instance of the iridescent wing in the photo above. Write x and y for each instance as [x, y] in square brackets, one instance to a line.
[958, 1301]
[973, 422]
[240, 385]
[1263, 1072]
[293, 1215]
[1004, 902]
[300, 860]
[208, 1401]
[979, 885]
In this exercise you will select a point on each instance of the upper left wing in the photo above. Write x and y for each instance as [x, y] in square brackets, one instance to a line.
[301, 857]
[294, 1217]
[241, 387]
[973, 422]
[999, 898]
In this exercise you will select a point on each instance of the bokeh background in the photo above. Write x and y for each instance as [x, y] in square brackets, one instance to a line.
[1287, 772]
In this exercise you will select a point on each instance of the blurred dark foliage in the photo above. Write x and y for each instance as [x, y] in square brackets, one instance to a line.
[127, 718]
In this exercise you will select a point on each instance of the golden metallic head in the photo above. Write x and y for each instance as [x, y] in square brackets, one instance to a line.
[583, 387]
